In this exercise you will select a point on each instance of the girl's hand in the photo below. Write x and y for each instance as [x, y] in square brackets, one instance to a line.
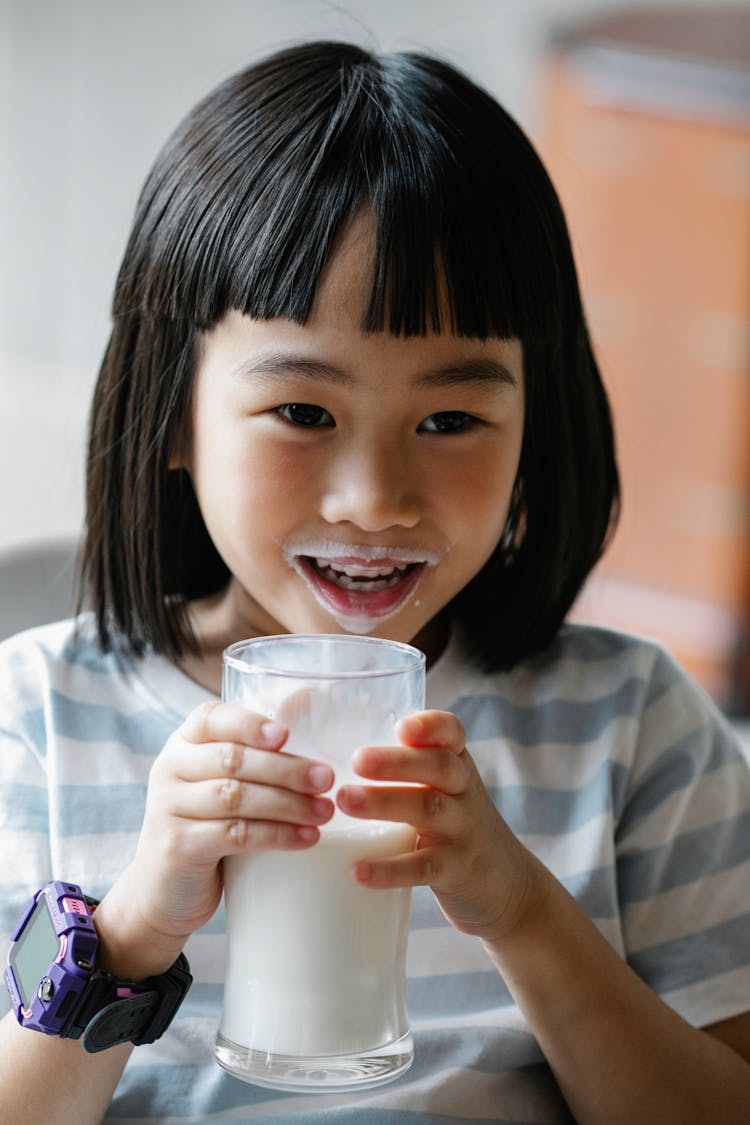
[221, 786]
[479, 871]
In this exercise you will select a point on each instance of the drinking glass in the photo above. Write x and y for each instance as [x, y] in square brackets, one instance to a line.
[315, 988]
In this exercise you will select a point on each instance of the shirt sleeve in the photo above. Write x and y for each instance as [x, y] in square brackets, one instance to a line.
[24, 804]
[683, 853]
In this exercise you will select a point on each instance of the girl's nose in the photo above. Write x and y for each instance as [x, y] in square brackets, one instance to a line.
[372, 489]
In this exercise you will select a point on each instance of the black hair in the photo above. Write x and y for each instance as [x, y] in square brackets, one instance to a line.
[241, 211]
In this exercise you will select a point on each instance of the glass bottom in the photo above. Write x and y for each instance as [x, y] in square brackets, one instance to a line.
[325, 1074]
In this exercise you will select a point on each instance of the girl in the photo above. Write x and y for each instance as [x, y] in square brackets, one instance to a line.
[349, 388]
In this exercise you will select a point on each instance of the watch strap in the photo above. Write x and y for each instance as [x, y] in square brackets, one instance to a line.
[122, 1021]
[116, 1011]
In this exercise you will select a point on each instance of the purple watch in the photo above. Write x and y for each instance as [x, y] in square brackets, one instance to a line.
[56, 987]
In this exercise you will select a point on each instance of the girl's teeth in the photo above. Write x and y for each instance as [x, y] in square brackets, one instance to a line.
[362, 585]
[365, 581]
[359, 572]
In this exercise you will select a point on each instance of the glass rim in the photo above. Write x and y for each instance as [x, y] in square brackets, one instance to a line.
[230, 658]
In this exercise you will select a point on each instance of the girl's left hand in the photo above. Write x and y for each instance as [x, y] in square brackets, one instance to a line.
[480, 872]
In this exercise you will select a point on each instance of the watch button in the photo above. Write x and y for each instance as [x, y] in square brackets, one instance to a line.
[46, 989]
[74, 906]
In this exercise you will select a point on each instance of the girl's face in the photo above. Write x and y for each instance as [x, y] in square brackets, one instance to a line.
[352, 483]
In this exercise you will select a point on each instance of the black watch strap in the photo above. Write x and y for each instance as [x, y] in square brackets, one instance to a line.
[116, 1011]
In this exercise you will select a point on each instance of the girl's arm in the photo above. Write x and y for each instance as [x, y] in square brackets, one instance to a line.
[618, 1052]
[220, 786]
[620, 1055]
[44, 1079]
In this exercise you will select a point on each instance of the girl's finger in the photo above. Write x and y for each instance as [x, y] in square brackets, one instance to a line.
[432, 728]
[231, 722]
[431, 812]
[207, 841]
[421, 868]
[439, 768]
[246, 763]
[231, 798]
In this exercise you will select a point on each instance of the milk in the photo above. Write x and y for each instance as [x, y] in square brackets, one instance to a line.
[314, 993]
[316, 962]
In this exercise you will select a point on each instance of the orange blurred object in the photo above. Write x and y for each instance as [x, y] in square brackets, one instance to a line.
[645, 130]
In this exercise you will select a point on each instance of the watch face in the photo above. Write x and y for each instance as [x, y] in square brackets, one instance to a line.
[34, 951]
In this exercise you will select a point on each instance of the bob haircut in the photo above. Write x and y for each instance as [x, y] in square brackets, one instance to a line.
[241, 211]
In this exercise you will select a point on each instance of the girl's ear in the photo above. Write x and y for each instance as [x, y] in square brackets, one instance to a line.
[178, 459]
[179, 456]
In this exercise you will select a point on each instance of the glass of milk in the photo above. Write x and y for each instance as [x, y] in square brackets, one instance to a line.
[315, 988]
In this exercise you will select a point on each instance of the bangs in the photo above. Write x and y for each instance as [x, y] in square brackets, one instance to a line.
[249, 197]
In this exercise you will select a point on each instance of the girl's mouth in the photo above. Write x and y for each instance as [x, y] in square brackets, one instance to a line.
[358, 590]
[365, 580]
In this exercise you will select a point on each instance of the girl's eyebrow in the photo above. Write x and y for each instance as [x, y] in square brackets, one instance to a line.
[478, 371]
[270, 365]
[482, 371]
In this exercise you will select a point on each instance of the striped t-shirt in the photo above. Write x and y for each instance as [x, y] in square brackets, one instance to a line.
[603, 758]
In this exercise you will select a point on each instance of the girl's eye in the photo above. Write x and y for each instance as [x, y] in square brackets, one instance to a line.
[304, 414]
[448, 422]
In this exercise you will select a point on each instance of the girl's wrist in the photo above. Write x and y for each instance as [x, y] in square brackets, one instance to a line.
[129, 947]
[529, 913]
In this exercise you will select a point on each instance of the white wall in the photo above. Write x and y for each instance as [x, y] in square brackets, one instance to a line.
[89, 89]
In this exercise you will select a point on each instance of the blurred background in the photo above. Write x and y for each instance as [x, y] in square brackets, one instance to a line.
[642, 114]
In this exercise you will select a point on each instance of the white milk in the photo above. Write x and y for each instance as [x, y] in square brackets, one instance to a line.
[316, 961]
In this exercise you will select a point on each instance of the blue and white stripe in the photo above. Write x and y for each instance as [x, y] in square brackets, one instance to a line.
[604, 759]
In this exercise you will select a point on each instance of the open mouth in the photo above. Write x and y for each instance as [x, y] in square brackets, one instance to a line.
[362, 579]
[363, 587]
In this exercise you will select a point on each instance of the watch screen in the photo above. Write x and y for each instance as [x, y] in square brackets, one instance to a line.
[34, 952]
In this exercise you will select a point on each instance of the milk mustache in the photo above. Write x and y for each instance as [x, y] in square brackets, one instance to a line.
[314, 959]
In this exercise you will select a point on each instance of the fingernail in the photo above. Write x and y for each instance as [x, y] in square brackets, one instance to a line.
[363, 871]
[306, 833]
[367, 758]
[320, 777]
[354, 795]
[271, 732]
[321, 806]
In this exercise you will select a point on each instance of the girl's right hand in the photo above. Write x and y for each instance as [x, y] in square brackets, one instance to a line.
[221, 786]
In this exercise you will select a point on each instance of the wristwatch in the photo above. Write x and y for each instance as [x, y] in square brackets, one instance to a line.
[56, 987]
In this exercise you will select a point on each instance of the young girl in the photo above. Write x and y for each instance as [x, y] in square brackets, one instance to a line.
[349, 388]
